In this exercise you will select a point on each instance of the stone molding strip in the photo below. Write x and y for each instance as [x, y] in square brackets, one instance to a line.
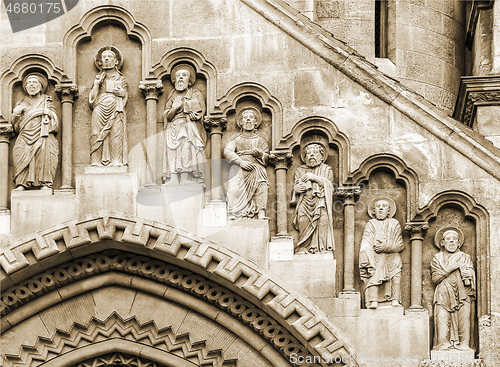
[345, 59]
[75, 239]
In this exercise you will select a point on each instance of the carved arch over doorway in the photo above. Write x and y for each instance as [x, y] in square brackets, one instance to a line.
[61, 244]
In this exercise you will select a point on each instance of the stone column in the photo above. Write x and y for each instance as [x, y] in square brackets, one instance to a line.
[495, 42]
[417, 231]
[281, 160]
[6, 133]
[349, 194]
[67, 92]
[151, 90]
[216, 124]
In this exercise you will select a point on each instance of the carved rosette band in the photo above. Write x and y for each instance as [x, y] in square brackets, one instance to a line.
[417, 229]
[215, 124]
[281, 159]
[151, 89]
[473, 99]
[66, 91]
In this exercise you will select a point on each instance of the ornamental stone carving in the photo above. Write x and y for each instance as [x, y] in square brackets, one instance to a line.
[453, 272]
[380, 263]
[185, 161]
[313, 198]
[35, 122]
[248, 153]
[107, 99]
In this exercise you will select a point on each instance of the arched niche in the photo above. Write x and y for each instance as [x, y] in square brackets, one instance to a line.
[165, 263]
[382, 181]
[105, 13]
[459, 209]
[255, 91]
[13, 92]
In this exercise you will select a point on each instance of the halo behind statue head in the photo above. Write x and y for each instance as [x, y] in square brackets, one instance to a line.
[258, 116]
[314, 138]
[192, 72]
[42, 79]
[98, 56]
[440, 234]
[392, 206]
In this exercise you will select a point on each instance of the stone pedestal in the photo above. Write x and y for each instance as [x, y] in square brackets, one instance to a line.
[215, 214]
[247, 237]
[34, 210]
[4, 223]
[452, 356]
[280, 248]
[312, 274]
[106, 189]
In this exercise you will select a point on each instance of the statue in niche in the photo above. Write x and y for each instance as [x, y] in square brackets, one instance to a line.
[35, 122]
[313, 198]
[107, 99]
[185, 161]
[453, 272]
[248, 154]
[379, 259]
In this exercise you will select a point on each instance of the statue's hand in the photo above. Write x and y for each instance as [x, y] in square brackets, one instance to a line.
[177, 103]
[309, 177]
[99, 78]
[300, 187]
[247, 166]
[19, 109]
[257, 152]
[378, 247]
[194, 116]
[119, 92]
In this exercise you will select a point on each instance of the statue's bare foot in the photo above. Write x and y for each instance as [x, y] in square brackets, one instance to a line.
[262, 215]
[45, 188]
[395, 303]
[463, 347]
[373, 305]
[232, 217]
[19, 188]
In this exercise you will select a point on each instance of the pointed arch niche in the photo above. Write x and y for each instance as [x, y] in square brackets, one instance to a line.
[459, 209]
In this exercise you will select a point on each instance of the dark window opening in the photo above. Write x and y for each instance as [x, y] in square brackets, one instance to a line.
[381, 28]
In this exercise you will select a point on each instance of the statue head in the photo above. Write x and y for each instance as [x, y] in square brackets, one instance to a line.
[108, 57]
[35, 83]
[249, 118]
[449, 239]
[183, 76]
[108, 60]
[382, 208]
[314, 155]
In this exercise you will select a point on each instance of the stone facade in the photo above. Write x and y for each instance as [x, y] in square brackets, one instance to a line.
[112, 264]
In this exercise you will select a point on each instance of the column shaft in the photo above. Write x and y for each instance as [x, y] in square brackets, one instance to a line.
[416, 272]
[151, 139]
[281, 206]
[349, 245]
[4, 172]
[67, 144]
[216, 156]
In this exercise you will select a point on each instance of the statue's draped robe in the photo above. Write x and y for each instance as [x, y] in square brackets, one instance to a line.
[380, 269]
[452, 294]
[246, 190]
[108, 143]
[315, 208]
[35, 152]
[184, 138]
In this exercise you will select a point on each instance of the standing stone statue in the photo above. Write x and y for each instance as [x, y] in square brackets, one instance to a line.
[107, 99]
[379, 259]
[313, 197]
[184, 145]
[34, 120]
[248, 154]
[453, 272]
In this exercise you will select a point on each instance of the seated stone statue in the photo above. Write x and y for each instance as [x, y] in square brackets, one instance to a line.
[248, 154]
[107, 99]
[35, 122]
[453, 272]
[379, 260]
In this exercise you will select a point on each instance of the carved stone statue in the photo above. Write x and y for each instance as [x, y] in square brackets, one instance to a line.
[107, 99]
[379, 259]
[184, 145]
[453, 272]
[35, 122]
[248, 154]
[313, 197]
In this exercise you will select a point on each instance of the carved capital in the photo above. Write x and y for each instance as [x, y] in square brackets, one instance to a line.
[215, 123]
[6, 130]
[67, 91]
[349, 193]
[417, 229]
[475, 98]
[281, 159]
[151, 89]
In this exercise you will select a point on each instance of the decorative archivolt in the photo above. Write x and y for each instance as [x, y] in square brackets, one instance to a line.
[327, 127]
[83, 30]
[95, 234]
[401, 171]
[19, 69]
[480, 216]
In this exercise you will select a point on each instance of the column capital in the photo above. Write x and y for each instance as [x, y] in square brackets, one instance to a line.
[281, 159]
[151, 89]
[67, 91]
[6, 130]
[215, 123]
[416, 229]
[349, 192]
